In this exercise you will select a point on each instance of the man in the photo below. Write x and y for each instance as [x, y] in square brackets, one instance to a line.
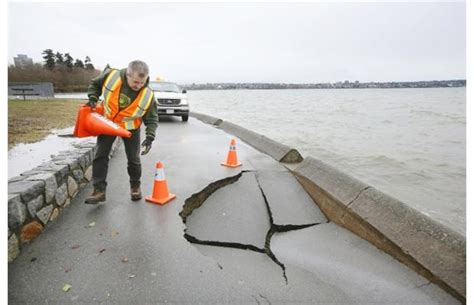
[128, 102]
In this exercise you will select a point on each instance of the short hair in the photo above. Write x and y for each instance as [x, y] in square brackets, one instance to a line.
[139, 67]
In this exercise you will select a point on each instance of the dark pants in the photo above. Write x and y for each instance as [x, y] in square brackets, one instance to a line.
[100, 164]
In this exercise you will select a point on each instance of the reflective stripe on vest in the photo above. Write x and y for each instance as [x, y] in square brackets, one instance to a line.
[112, 84]
[129, 117]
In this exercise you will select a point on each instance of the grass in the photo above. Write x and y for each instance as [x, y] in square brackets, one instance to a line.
[32, 120]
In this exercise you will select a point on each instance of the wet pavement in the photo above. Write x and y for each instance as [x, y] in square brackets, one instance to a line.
[251, 236]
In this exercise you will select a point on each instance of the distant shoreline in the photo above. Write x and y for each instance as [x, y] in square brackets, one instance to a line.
[338, 85]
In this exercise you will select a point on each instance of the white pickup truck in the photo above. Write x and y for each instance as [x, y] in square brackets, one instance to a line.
[170, 99]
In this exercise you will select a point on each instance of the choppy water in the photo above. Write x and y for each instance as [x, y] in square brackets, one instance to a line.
[408, 143]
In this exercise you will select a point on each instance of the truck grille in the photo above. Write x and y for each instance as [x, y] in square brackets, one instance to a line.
[169, 101]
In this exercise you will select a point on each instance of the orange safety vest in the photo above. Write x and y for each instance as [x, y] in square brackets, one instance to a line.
[131, 116]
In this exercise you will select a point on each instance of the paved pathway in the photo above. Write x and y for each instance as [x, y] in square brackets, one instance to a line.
[252, 236]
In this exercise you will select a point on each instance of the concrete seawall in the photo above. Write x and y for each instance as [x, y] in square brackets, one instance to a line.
[431, 249]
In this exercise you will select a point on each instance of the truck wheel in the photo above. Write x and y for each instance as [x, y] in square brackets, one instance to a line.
[185, 117]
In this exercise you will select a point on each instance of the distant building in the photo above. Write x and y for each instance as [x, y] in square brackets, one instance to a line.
[22, 61]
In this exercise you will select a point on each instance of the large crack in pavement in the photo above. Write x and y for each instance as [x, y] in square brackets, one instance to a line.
[274, 228]
[197, 200]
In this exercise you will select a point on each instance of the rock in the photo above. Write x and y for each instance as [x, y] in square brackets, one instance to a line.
[88, 173]
[67, 203]
[61, 194]
[16, 178]
[45, 213]
[31, 172]
[71, 187]
[34, 205]
[61, 171]
[50, 184]
[13, 248]
[30, 231]
[82, 159]
[54, 215]
[16, 211]
[27, 189]
[78, 175]
[73, 163]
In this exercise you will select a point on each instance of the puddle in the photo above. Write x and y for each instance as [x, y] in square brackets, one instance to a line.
[24, 157]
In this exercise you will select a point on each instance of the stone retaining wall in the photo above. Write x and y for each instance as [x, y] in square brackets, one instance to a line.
[426, 246]
[38, 196]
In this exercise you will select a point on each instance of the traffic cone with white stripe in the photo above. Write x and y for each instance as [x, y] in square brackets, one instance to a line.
[160, 195]
[91, 122]
[232, 156]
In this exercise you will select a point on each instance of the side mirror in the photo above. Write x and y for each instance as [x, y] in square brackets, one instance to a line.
[184, 91]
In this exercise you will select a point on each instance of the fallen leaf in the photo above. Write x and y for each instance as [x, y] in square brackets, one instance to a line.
[67, 270]
[75, 247]
[67, 287]
[101, 251]
[92, 224]
[125, 260]
[131, 276]
[114, 233]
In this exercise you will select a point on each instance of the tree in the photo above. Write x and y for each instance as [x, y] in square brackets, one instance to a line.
[79, 64]
[88, 63]
[49, 59]
[68, 61]
[59, 59]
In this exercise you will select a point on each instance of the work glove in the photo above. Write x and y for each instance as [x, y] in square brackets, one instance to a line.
[146, 145]
[91, 103]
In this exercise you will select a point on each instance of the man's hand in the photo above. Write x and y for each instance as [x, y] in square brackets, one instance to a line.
[91, 103]
[146, 145]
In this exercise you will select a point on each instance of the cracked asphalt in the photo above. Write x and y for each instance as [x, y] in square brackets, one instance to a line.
[249, 235]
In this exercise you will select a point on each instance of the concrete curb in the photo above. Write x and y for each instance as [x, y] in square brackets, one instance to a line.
[434, 251]
[38, 196]
[206, 118]
[278, 151]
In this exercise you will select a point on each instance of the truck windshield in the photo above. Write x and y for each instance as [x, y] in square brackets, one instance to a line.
[164, 87]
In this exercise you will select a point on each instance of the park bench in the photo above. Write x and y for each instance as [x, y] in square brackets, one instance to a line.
[25, 92]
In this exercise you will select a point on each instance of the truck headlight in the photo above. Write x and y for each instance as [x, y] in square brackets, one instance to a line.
[184, 101]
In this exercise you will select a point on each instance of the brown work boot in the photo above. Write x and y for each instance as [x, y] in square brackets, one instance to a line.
[135, 193]
[96, 197]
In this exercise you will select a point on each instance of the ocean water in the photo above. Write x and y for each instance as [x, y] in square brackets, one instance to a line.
[408, 143]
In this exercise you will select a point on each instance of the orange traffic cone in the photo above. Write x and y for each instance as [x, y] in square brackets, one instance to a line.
[232, 156]
[161, 195]
[90, 122]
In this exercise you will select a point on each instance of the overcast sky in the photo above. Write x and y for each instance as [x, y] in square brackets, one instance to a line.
[252, 42]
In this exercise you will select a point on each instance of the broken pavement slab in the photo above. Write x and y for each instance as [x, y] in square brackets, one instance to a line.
[234, 214]
[289, 203]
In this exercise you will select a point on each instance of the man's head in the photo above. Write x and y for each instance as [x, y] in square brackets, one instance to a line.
[137, 74]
